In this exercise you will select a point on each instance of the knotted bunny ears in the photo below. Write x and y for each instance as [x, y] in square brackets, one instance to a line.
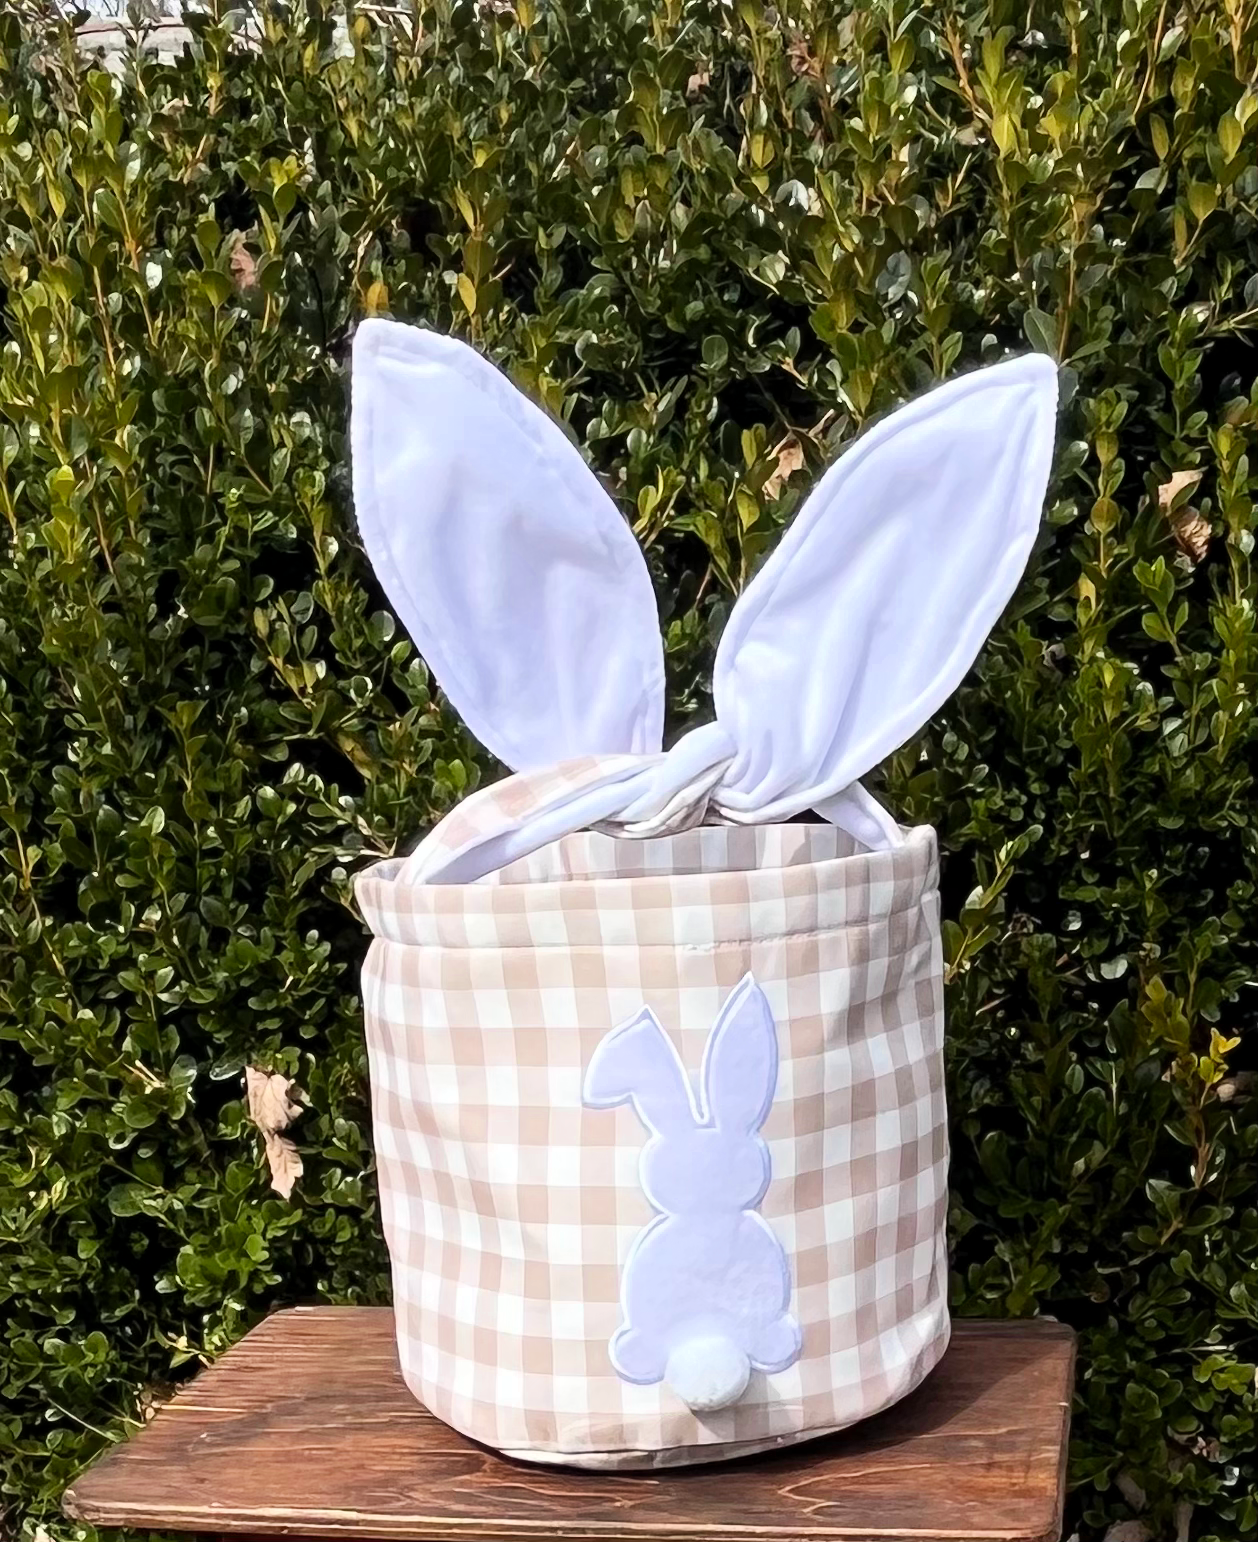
[527, 594]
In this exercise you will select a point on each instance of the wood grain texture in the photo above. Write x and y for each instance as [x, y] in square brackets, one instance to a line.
[305, 1428]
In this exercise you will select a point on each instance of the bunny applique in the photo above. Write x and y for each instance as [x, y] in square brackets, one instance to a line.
[706, 1287]
[598, 1259]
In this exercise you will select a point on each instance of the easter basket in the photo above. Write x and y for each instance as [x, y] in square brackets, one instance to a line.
[656, 1060]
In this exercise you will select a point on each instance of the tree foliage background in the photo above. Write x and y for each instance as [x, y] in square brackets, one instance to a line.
[716, 240]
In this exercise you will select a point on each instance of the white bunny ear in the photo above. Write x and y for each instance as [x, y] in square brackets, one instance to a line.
[638, 1063]
[513, 571]
[740, 1062]
[875, 604]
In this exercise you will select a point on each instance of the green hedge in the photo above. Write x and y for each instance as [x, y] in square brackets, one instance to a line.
[717, 240]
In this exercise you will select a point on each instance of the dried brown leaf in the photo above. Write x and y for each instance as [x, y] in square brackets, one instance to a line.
[1129, 1531]
[270, 1105]
[244, 266]
[1175, 484]
[801, 57]
[151, 1399]
[273, 1110]
[285, 1163]
[1192, 534]
[790, 458]
[1238, 1086]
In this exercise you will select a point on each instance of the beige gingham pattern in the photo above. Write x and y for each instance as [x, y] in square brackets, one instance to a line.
[510, 804]
[510, 1209]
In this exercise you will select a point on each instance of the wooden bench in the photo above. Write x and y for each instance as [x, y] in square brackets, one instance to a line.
[305, 1429]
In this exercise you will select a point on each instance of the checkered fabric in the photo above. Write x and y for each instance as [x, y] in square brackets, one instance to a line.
[510, 1208]
[508, 805]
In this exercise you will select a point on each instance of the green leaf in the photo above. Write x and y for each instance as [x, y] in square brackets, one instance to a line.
[217, 287]
[715, 352]
[127, 1199]
[1202, 199]
[1160, 137]
[1230, 135]
[1041, 330]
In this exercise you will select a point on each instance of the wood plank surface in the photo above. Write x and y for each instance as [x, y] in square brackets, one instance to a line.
[305, 1428]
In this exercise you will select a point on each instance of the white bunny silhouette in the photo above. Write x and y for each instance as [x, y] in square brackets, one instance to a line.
[528, 596]
[706, 1287]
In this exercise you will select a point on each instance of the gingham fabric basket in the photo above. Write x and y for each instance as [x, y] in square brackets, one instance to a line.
[656, 1071]
[510, 1208]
